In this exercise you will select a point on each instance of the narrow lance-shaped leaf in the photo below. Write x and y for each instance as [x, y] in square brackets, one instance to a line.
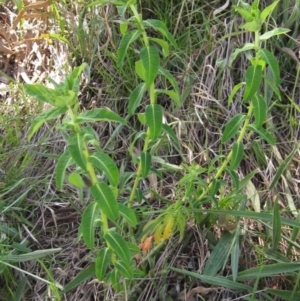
[268, 270]
[253, 79]
[99, 114]
[106, 200]
[150, 59]
[271, 60]
[283, 166]
[63, 163]
[145, 163]
[275, 32]
[89, 216]
[268, 11]
[170, 78]
[124, 269]
[172, 94]
[164, 46]
[76, 147]
[135, 98]
[84, 275]
[118, 245]
[237, 155]
[263, 133]
[260, 110]
[127, 39]
[140, 70]
[235, 256]
[162, 28]
[41, 93]
[102, 262]
[106, 164]
[154, 115]
[73, 79]
[276, 225]
[215, 281]
[232, 127]
[128, 214]
[50, 114]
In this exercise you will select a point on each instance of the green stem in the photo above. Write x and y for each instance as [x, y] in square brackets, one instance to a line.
[90, 169]
[228, 158]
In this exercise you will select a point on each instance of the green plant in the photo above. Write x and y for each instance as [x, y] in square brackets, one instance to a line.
[262, 74]
[88, 161]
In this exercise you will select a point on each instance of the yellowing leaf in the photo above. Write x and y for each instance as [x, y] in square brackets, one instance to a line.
[168, 228]
[158, 234]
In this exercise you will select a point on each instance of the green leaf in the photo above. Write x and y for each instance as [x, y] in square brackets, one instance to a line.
[145, 163]
[276, 225]
[246, 47]
[41, 93]
[275, 87]
[162, 28]
[268, 271]
[128, 214]
[263, 133]
[150, 59]
[142, 118]
[140, 70]
[232, 127]
[124, 269]
[284, 295]
[260, 110]
[171, 80]
[105, 200]
[283, 166]
[67, 99]
[124, 27]
[218, 281]
[251, 26]
[75, 179]
[218, 257]
[237, 155]
[235, 256]
[154, 115]
[253, 79]
[89, 217]
[102, 262]
[29, 256]
[246, 14]
[76, 146]
[73, 79]
[260, 216]
[172, 94]
[135, 98]
[127, 39]
[50, 114]
[20, 289]
[63, 163]
[99, 114]
[83, 276]
[269, 58]
[163, 44]
[118, 244]
[267, 11]
[106, 164]
[275, 32]
[235, 89]
[169, 131]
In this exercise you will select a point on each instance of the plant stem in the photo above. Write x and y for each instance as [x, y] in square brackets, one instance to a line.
[228, 158]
